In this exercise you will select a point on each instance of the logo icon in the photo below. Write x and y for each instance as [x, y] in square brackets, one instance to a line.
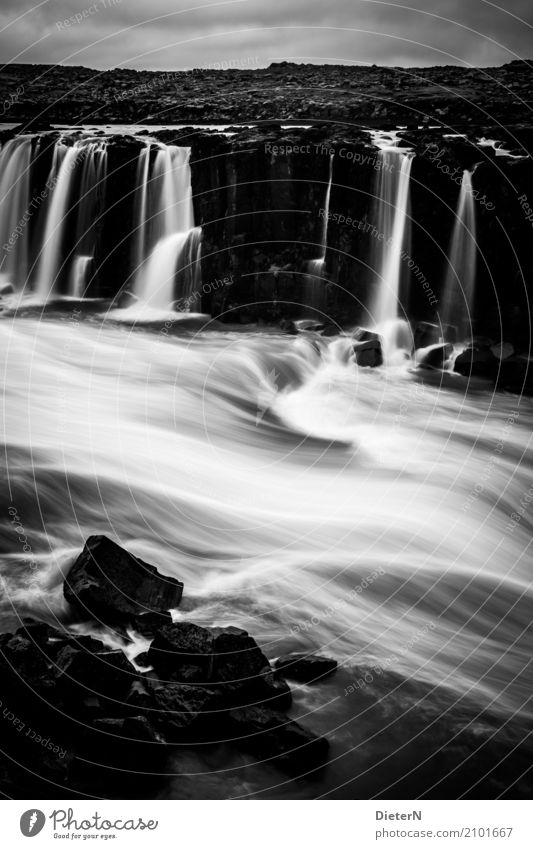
[32, 822]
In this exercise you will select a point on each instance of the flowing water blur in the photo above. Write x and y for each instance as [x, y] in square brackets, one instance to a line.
[360, 513]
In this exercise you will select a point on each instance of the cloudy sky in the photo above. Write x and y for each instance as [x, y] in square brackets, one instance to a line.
[176, 34]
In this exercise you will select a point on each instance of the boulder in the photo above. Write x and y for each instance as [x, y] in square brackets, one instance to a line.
[107, 675]
[435, 356]
[305, 668]
[503, 350]
[272, 735]
[187, 652]
[477, 362]
[109, 584]
[361, 334]
[148, 624]
[185, 713]
[368, 354]
[426, 334]
[6, 289]
[515, 374]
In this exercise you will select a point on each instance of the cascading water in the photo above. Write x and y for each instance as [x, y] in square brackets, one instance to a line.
[315, 291]
[458, 291]
[393, 230]
[141, 211]
[171, 242]
[81, 165]
[79, 276]
[15, 212]
[92, 188]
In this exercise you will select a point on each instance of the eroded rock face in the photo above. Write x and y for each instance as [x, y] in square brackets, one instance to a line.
[109, 584]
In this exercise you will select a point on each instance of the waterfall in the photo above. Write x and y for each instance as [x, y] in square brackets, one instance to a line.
[92, 186]
[315, 293]
[79, 276]
[459, 283]
[141, 212]
[392, 199]
[15, 210]
[50, 262]
[79, 169]
[170, 241]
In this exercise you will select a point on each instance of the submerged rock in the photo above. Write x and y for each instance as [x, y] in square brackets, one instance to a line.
[109, 584]
[305, 668]
[269, 734]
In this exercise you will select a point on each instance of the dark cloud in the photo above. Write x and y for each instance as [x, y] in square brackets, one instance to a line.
[173, 34]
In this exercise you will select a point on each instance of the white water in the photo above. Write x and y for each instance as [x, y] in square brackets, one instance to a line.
[392, 206]
[90, 206]
[315, 289]
[79, 276]
[15, 213]
[274, 520]
[167, 232]
[50, 262]
[459, 283]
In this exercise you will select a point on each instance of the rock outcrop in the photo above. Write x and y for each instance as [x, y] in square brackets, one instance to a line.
[109, 584]
[94, 712]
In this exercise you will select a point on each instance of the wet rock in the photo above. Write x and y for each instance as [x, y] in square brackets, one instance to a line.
[6, 289]
[128, 729]
[108, 674]
[148, 624]
[330, 330]
[361, 334]
[435, 356]
[368, 354]
[427, 334]
[271, 735]
[503, 350]
[515, 374]
[476, 362]
[109, 584]
[305, 668]
[185, 651]
[185, 713]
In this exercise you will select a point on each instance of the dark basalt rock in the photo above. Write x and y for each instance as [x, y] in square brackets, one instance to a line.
[305, 668]
[185, 713]
[426, 334]
[368, 354]
[477, 362]
[107, 674]
[184, 650]
[109, 584]
[101, 714]
[148, 624]
[269, 734]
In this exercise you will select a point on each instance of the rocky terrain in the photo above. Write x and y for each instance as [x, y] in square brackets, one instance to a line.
[377, 96]
[80, 705]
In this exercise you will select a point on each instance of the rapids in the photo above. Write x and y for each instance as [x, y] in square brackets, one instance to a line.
[360, 513]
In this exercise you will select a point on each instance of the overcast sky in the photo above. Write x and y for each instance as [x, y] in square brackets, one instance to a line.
[176, 34]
